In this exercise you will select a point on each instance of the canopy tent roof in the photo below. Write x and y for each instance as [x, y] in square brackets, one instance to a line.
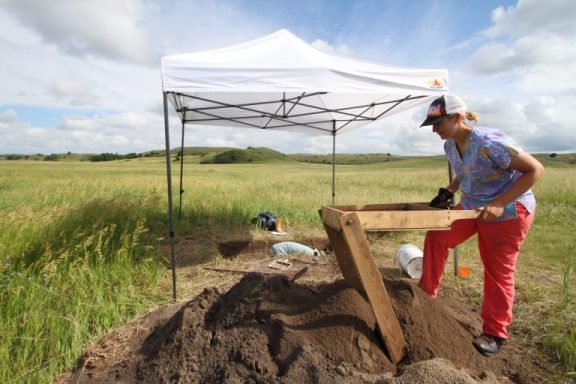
[280, 82]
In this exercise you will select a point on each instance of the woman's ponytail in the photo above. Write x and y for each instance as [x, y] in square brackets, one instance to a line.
[472, 116]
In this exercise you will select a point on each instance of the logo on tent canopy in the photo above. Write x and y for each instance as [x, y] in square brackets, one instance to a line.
[436, 83]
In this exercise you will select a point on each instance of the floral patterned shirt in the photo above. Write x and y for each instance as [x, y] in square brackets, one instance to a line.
[483, 170]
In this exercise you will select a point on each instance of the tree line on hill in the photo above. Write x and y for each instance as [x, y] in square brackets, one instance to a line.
[225, 155]
[115, 156]
[95, 158]
[51, 157]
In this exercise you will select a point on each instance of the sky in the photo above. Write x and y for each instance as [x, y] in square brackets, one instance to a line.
[83, 76]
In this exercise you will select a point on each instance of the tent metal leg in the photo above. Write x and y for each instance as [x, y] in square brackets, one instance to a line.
[169, 176]
[333, 161]
[181, 173]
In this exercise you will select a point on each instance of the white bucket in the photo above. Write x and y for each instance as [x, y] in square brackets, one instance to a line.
[409, 258]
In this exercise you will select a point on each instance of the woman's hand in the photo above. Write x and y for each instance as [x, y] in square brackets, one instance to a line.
[490, 212]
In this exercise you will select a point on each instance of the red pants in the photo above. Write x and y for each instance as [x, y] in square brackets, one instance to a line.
[499, 244]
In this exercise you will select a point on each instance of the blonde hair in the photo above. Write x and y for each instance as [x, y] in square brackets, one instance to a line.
[471, 116]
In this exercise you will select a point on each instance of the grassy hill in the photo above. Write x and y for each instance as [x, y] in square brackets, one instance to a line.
[555, 160]
[248, 155]
[348, 158]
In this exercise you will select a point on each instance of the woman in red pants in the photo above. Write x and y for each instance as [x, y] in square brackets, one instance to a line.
[495, 177]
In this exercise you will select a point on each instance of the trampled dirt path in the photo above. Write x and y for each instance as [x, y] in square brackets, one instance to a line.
[269, 329]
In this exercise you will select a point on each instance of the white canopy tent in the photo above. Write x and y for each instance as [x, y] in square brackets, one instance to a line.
[279, 82]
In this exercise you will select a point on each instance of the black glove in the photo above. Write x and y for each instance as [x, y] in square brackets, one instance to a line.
[443, 199]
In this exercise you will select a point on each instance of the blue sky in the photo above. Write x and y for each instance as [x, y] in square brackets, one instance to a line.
[84, 76]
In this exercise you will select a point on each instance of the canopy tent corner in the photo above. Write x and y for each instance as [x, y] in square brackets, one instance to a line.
[281, 83]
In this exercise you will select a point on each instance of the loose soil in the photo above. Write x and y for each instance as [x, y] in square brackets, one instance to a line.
[269, 328]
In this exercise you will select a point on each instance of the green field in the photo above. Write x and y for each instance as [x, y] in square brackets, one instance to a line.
[80, 243]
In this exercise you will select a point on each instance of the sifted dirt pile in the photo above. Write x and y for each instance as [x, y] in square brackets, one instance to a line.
[267, 329]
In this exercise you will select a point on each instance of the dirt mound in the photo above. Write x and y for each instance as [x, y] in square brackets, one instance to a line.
[270, 330]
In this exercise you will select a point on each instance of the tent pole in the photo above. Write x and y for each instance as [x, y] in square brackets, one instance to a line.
[169, 179]
[450, 177]
[181, 172]
[333, 160]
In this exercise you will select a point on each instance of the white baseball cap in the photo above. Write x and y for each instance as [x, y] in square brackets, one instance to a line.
[442, 107]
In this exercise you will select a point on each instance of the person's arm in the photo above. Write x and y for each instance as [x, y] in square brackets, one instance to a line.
[445, 195]
[454, 185]
[531, 170]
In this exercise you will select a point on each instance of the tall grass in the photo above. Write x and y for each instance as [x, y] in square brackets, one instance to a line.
[79, 243]
[552, 247]
[74, 262]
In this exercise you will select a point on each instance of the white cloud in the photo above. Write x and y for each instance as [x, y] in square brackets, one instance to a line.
[490, 59]
[36, 74]
[15, 32]
[407, 137]
[286, 142]
[549, 80]
[78, 122]
[534, 16]
[398, 134]
[8, 116]
[106, 28]
[528, 54]
[126, 120]
[543, 123]
[36, 133]
[76, 94]
[341, 49]
[188, 26]
[123, 132]
[119, 140]
[110, 123]
[554, 119]
[529, 38]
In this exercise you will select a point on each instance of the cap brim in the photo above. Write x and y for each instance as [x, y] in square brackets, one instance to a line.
[431, 120]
